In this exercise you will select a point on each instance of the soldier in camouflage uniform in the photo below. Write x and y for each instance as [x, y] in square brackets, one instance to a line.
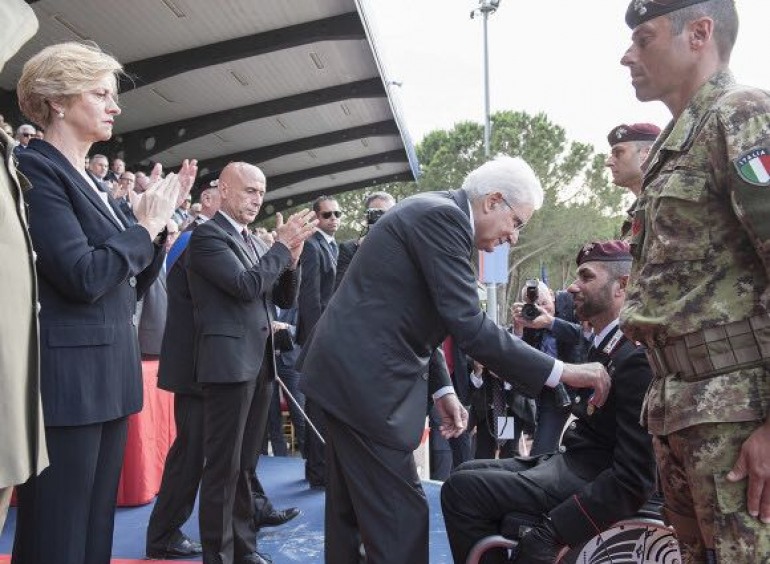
[629, 147]
[699, 293]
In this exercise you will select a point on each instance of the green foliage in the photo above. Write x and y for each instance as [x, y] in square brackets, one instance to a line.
[580, 204]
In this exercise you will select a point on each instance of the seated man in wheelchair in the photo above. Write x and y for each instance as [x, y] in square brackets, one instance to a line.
[603, 472]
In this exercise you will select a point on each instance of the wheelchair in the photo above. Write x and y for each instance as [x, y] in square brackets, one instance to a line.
[641, 539]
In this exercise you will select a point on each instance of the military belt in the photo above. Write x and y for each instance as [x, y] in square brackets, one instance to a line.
[713, 351]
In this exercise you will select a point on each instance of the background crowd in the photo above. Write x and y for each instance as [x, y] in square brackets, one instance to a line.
[123, 264]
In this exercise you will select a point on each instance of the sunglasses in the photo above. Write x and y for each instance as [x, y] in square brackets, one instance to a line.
[27, 134]
[328, 214]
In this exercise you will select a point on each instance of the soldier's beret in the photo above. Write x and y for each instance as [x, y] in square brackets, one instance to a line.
[604, 251]
[201, 187]
[633, 132]
[640, 11]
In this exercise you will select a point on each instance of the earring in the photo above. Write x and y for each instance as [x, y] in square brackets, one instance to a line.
[61, 115]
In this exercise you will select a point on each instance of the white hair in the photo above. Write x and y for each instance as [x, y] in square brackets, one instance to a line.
[511, 176]
[542, 290]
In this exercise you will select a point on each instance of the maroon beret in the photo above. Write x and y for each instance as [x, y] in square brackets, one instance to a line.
[633, 132]
[640, 11]
[604, 251]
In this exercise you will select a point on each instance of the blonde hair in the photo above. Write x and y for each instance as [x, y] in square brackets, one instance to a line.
[59, 73]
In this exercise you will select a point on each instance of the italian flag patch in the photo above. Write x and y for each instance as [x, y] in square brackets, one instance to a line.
[754, 167]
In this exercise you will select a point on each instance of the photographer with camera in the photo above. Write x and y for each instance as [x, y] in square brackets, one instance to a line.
[375, 205]
[553, 403]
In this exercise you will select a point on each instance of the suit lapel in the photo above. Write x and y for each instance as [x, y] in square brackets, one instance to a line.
[330, 263]
[52, 153]
[237, 244]
[608, 344]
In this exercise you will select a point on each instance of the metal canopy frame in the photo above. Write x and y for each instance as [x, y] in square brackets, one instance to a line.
[295, 88]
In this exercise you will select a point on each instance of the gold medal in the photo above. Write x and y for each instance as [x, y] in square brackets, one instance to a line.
[590, 409]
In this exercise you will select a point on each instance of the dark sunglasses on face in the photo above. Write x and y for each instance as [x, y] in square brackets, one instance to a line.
[27, 134]
[328, 214]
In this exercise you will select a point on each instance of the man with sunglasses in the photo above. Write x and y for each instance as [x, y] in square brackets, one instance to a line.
[319, 270]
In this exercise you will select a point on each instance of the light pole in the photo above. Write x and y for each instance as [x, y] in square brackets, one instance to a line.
[485, 8]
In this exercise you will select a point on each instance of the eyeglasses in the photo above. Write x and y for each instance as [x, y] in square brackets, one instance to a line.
[518, 224]
[27, 134]
[328, 214]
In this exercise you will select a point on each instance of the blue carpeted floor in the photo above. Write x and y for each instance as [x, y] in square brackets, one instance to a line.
[300, 540]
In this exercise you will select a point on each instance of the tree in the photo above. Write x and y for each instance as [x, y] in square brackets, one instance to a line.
[580, 203]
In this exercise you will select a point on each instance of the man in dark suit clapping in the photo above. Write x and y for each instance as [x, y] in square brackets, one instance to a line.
[366, 364]
[233, 291]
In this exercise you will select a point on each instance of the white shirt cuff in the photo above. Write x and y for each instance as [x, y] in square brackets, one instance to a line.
[555, 377]
[441, 392]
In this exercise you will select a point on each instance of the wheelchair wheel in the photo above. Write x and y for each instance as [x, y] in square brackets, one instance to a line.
[628, 542]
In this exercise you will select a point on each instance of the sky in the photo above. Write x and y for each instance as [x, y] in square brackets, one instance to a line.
[561, 57]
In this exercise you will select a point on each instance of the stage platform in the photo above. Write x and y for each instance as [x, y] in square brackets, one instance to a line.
[300, 540]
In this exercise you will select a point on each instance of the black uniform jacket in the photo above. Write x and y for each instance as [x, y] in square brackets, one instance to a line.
[607, 446]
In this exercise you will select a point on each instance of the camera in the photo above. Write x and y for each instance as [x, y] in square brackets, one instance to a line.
[530, 311]
[373, 214]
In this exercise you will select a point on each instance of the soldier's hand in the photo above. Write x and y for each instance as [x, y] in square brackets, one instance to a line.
[592, 375]
[754, 463]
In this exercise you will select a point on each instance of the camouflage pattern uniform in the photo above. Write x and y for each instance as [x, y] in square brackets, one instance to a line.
[701, 246]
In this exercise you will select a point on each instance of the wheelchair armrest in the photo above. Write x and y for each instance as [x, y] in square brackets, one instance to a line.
[488, 543]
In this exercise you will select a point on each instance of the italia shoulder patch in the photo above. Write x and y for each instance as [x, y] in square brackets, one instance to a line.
[754, 166]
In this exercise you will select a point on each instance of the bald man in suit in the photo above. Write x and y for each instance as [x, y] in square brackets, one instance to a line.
[234, 292]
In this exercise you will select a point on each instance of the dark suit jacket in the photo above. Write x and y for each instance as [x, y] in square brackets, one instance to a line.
[609, 447]
[347, 252]
[152, 320]
[318, 272]
[90, 273]
[409, 286]
[286, 339]
[176, 369]
[233, 301]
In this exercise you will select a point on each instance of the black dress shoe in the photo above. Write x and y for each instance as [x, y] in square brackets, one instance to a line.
[255, 558]
[275, 518]
[182, 547]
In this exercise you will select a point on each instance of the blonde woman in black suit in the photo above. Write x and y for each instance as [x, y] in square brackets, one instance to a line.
[92, 267]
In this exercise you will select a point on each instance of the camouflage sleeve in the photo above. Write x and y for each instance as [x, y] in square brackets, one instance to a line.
[744, 122]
